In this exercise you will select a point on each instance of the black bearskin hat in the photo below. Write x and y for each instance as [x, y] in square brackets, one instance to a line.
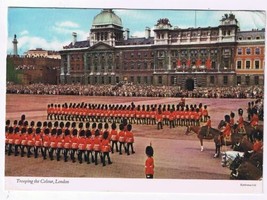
[149, 151]
[227, 118]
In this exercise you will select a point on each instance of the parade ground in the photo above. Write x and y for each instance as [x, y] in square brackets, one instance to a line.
[176, 155]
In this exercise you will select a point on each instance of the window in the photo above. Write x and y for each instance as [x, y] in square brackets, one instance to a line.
[145, 65]
[225, 80]
[117, 79]
[239, 64]
[248, 64]
[102, 79]
[138, 79]
[160, 79]
[132, 79]
[257, 64]
[256, 80]
[239, 51]
[213, 65]
[247, 79]
[109, 80]
[238, 80]
[257, 51]
[248, 51]
[212, 80]
[145, 80]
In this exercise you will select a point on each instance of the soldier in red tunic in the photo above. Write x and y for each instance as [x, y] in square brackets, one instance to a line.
[46, 142]
[114, 138]
[97, 145]
[10, 139]
[37, 141]
[66, 144]
[53, 144]
[122, 138]
[89, 146]
[105, 148]
[129, 138]
[59, 143]
[81, 146]
[149, 164]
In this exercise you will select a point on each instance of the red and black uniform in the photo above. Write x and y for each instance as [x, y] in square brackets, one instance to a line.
[81, 146]
[89, 146]
[114, 138]
[66, 144]
[37, 142]
[17, 139]
[122, 138]
[149, 167]
[254, 120]
[46, 142]
[149, 164]
[159, 119]
[10, 139]
[74, 144]
[97, 145]
[227, 130]
[129, 138]
[53, 143]
[105, 148]
[59, 143]
[257, 146]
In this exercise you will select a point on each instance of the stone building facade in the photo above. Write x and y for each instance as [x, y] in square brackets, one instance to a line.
[187, 58]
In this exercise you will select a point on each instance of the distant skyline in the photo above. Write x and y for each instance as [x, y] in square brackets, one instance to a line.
[51, 28]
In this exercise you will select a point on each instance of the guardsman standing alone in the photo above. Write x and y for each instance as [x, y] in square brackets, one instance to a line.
[149, 164]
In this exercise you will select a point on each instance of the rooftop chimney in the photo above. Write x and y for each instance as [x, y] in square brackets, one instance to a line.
[147, 32]
[127, 34]
[74, 38]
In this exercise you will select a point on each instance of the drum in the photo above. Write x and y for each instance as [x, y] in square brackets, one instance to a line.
[24, 142]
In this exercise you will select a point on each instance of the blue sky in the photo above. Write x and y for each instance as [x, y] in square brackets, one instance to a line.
[51, 28]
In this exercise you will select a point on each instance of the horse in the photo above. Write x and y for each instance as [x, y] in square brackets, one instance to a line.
[252, 131]
[245, 169]
[214, 134]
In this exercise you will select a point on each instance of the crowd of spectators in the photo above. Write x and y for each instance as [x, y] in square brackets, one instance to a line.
[126, 89]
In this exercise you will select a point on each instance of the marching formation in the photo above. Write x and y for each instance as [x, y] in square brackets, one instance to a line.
[171, 115]
[89, 144]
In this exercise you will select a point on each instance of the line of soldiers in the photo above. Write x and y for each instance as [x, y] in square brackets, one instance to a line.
[66, 139]
[171, 115]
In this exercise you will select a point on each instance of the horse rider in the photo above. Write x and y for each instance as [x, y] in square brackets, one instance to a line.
[240, 121]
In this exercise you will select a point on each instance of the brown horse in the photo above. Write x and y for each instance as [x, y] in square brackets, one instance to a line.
[252, 131]
[214, 134]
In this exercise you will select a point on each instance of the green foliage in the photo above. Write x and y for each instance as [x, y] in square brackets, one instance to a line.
[12, 73]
